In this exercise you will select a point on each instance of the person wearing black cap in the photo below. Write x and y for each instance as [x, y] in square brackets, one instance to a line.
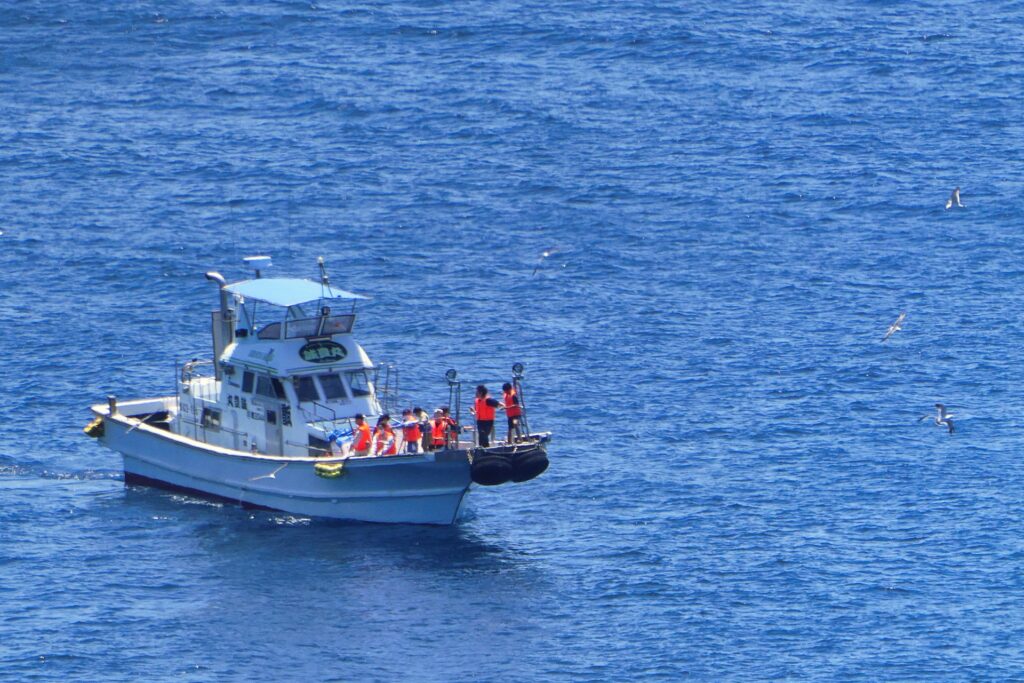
[438, 428]
[361, 437]
[513, 411]
[451, 431]
[483, 409]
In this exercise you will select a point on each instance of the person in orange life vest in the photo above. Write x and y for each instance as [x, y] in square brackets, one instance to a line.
[513, 411]
[483, 409]
[385, 435]
[378, 435]
[438, 427]
[426, 435]
[410, 432]
[361, 437]
[451, 432]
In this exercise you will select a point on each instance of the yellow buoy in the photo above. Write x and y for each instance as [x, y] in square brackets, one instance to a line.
[329, 470]
[94, 428]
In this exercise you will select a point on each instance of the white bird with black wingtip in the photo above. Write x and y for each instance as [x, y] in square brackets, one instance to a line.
[896, 326]
[942, 418]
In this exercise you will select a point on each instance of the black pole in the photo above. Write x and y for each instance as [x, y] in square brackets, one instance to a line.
[522, 405]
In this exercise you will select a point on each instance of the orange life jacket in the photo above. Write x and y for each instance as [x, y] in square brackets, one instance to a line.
[362, 437]
[451, 426]
[484, 411]
[437, 426]
[386, 441]
[512, 407]
[411, 433]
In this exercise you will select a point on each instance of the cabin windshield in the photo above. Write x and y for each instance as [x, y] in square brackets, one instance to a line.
[308, 319]
[332, 386]
[359, 382]
[305, 389]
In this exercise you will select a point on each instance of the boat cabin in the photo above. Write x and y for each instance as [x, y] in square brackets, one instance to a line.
[286, 370]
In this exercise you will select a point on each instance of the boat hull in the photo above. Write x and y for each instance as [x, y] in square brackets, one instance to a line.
[426, 488]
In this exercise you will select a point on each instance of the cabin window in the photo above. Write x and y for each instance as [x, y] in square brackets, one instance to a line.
[305, 389]
[247, 378]
[302, 328]
[337, 324]
[211, 418]
[270, 387]
[332, 386]
[359, 382]
[271, 331]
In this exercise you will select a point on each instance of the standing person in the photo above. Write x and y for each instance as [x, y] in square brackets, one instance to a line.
[410, 432]
[451, 431]
[385, 436]
[483, 409]
[513, 411]
[361, 437]
[426, 437]
[438, 427]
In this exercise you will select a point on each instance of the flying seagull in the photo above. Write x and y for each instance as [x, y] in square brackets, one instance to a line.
[543, 255]
[272, 475]
[941, 417]
[954, 200]
[896, 326]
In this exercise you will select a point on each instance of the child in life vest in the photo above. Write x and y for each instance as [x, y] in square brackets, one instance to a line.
[385, 435]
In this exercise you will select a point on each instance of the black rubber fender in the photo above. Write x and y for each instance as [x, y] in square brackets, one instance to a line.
[528, 464]
[490, 469]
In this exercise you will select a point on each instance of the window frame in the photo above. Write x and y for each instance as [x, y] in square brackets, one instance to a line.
[300, 379]
[344, 396]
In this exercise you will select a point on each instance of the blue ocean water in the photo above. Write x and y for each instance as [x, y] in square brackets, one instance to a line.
[743, 196]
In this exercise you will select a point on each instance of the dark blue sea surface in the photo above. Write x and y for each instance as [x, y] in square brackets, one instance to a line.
[743, 196]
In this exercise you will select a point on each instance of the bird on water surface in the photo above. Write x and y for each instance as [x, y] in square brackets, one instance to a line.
[942, 418]
[954, 200]
[896, 326]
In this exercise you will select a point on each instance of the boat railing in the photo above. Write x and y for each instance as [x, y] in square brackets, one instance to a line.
[198, 381]
[385, 380]
[196, 368]
[198, 385]
[313, 451]
[318, 413]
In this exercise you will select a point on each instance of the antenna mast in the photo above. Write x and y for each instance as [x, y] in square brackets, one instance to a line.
[324, 279]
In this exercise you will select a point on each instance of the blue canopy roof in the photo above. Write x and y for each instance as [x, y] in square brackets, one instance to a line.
[288, 291]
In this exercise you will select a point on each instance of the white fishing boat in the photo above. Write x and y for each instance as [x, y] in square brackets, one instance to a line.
[267, 422]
